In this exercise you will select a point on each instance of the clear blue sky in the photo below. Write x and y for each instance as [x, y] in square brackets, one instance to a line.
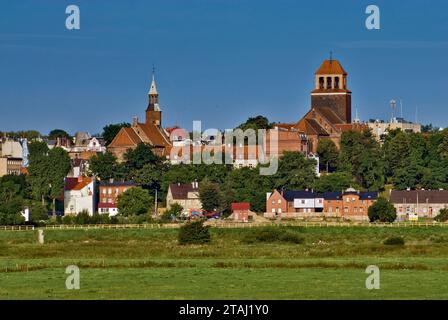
[219, 61]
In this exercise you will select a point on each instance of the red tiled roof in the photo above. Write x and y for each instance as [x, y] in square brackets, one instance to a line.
[240, 206]
[77, 183]
[331, 67]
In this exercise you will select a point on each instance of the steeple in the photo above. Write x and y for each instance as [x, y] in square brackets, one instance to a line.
[153, 112]
[153, 95]
[330, 89]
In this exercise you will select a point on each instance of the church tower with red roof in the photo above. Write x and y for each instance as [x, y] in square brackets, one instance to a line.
[331, 90]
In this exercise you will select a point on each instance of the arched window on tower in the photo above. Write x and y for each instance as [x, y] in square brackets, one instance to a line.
[321, 83]
[336, 83]
[329, 82]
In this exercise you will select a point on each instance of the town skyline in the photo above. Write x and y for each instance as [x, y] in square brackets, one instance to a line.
[267, 70]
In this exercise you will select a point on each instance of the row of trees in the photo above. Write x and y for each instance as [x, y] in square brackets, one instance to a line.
[404, 160]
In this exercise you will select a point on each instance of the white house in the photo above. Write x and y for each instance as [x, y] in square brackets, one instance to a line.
[79, 195]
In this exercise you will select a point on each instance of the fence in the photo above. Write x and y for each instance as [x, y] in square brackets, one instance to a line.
[311, 224]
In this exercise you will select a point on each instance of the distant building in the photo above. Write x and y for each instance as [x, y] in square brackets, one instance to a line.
[185, 194]
[79, 195]
[424, 203]
[241, 212]
[350, 204]
[10, 148]
[10, 166]
[151, 131]
[86, 146]
[108, 194]
[380, 128]
[331, 107]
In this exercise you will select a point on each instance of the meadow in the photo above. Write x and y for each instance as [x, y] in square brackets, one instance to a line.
[150, 264]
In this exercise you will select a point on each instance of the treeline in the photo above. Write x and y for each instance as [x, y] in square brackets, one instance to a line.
[403, 160]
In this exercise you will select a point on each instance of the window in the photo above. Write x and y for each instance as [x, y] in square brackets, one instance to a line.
[321, 83]
[355, 210]
[336, 83]
[347, 199]
[330, 209]
[279, 210]
[302, 201]
[279, 201]
[329, 82]
[109, 191]
[109, 200]
[337, 209]
[345, 209]
[273, 210]
[104, 200]
[104, 191]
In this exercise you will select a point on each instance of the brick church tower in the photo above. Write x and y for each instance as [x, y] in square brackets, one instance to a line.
[331, 90]
[153, 112]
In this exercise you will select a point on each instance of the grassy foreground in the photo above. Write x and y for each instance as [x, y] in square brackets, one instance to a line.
[149, 264]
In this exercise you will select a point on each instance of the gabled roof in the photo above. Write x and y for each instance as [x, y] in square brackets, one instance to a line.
[240, 206]
[74, 184]
[330, 115]
[312, 126]
[180, 191]
[331, 67]
[155, 134]
[424, 196]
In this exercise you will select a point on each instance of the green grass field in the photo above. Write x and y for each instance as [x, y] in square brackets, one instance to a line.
[149, 264]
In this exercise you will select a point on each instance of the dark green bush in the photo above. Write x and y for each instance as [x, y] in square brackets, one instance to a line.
[273, 234]
[442, 216]
[194, 233]
[394, 241]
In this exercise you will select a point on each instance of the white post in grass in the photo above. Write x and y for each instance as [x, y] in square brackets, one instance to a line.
[40, 236]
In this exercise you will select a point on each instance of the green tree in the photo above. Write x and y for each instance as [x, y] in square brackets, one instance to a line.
[59, 166]
[210, 196]
[11, 203]
[141, 155]
[194, 233]
[255, 123]
[328, 154]
[382, 210]
[58, 133]
[104, 165]
[111, 130]
[134, 201]
[334, 182]
[361, 156]
[247, 185]
[295, 171]
[39, 170]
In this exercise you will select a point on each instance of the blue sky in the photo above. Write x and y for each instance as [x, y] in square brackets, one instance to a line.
[219, 61]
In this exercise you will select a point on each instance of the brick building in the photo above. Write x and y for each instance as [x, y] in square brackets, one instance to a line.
[151, 131]
[350, 204]
[108, 194]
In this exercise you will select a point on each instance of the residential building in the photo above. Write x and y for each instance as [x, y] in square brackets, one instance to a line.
[423, 203]
[10, 165]
[151, 131]
[293, 204]
[108, 194]
[79, 195]
[350, 204]
[380, 127]
[85, 146]
[10, 148]
[185, 194]
[241, 212]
